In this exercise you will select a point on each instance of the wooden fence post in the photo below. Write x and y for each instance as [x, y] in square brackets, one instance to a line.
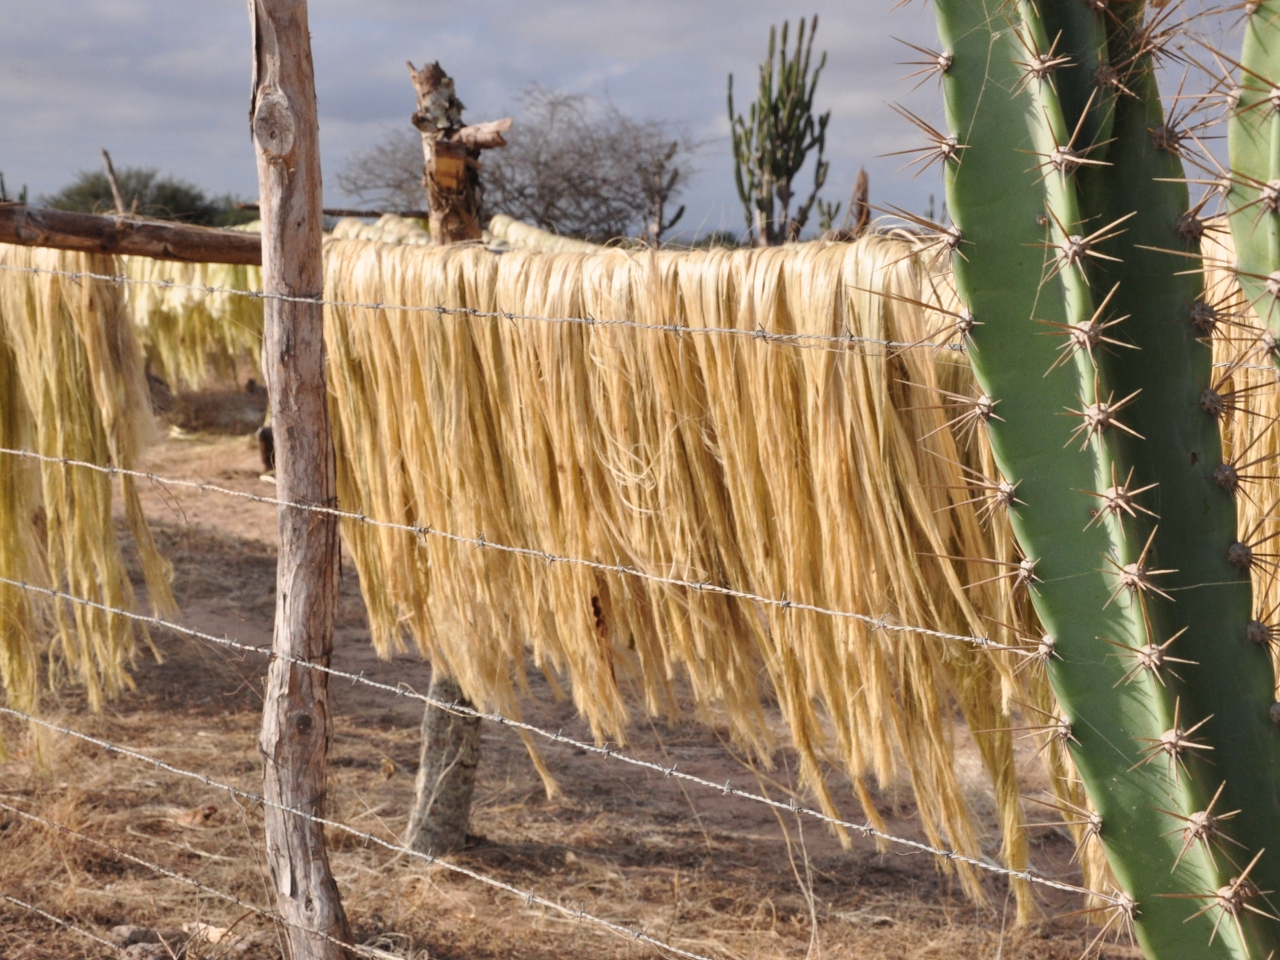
[450, 747]
[451, 154]
[296, 721]
[450, 753]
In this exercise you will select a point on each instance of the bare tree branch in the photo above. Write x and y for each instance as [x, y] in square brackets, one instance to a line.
[388, 175]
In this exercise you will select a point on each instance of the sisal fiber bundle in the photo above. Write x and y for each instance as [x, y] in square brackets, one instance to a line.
[822, 473]
[515, 233]
[72, 386]
[388, 229]
[819, 471]
[194, 337]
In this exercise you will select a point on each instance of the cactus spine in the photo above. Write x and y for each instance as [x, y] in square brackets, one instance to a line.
[1061, 181]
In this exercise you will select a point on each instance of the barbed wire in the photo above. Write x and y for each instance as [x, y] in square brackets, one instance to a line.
[528, 896]
[231, 898]
[65, 924]
[824, 340]
[602, 751]
[700, 586]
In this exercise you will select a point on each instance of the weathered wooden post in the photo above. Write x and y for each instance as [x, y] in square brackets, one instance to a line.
[451, 173]
[452, 155]
[295, 716]
[446, 779]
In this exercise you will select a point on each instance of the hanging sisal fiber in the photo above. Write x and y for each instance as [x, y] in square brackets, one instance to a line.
[1246, 376]
[823, 473]
[820, 471]
[388, 229]
[502, 232]
[72, 386]
[192, 337]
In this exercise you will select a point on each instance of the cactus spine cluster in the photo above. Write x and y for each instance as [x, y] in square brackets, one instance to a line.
[1075, 246]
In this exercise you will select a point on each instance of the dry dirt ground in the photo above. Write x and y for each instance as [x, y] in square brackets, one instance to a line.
[710, 874]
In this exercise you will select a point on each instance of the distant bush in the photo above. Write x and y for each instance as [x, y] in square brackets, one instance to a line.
[150, 195]
[718, 238]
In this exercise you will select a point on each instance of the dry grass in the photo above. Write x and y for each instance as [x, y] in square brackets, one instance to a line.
[712, 875]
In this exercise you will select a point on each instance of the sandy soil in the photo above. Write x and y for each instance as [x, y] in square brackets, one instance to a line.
[714, 875]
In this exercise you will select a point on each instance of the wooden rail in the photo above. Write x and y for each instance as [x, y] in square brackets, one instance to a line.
[158, 239]
[353, 212]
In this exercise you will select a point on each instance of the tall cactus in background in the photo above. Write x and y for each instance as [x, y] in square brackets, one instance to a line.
[1072, 241]
[772, 142]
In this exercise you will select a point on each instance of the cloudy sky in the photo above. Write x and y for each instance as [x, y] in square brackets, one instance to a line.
[164, 83]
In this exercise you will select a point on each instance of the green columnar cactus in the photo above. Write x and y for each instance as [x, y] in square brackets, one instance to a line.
[771, 144]
[1253, 197]
[1062, 179]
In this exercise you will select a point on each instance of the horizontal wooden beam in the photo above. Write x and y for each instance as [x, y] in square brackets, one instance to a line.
[158, 239]
[345, 212]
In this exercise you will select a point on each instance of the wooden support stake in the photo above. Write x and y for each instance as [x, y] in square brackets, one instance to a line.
[296, 719]
[450, 753]
[451, 154]
[111, 180]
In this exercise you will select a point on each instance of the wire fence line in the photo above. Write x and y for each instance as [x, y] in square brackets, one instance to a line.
[881, 622]
[65, 924]
[372, 952]
[822, 340]
[604, 751]
[826, 341]
[528, 896]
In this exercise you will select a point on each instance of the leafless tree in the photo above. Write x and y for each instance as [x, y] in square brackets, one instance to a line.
[389, 175]
[574, 165]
